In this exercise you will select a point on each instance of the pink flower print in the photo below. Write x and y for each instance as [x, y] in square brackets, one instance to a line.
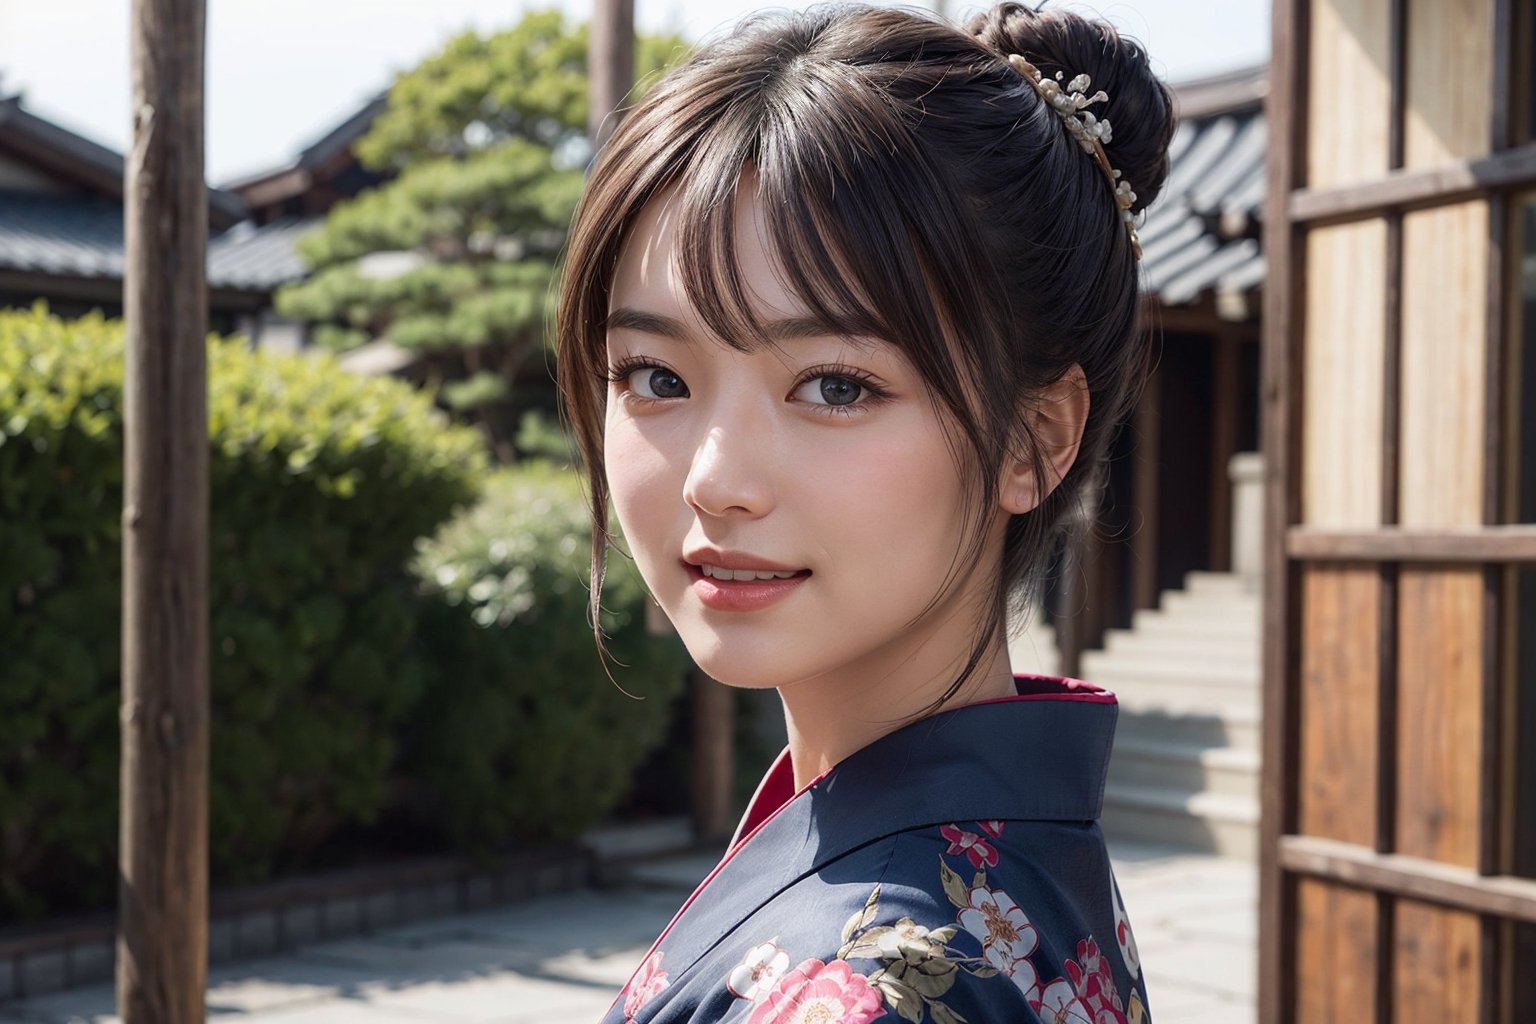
[1006, 935]
[818, 993]
[1123, 937]
[1095, 985]
[978, 850]
[757, 972]
[1059, 1004]
[992, 828]
[1093, 980]
[646, 985]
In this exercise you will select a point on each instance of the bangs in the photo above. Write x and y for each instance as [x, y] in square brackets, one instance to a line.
[829, 154]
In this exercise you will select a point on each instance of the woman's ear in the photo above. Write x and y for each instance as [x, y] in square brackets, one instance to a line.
[1056, 418]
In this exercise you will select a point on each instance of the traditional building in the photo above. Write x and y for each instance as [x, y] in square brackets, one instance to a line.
[61, 223]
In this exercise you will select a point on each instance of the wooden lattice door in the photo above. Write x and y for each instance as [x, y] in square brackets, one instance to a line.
[1400, 737]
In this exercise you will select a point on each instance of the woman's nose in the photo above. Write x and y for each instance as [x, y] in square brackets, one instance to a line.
[728, 476]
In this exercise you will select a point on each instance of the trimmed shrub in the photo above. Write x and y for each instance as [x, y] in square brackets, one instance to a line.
[321, 482]
[528, 737]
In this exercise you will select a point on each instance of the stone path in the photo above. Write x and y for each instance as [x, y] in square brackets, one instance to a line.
[562, 958]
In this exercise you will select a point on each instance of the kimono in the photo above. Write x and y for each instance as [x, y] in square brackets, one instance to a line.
[951, 871]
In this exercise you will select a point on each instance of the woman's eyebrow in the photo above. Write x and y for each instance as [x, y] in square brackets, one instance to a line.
[632, 319]
[783, 329]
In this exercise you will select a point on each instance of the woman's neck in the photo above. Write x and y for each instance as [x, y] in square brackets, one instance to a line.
[828, 720]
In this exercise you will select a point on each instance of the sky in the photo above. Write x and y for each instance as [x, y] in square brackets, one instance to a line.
[282, 73]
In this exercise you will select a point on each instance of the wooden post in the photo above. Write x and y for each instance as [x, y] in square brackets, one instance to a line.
[162, 942]
[1145, 504]
[610, 64]
[714, 758]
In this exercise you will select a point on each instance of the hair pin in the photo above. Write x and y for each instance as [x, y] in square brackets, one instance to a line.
[1090, 131]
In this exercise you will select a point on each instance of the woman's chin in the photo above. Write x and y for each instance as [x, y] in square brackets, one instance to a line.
[733, 664]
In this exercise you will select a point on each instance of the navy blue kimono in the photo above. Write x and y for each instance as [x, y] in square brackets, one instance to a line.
[950, 871]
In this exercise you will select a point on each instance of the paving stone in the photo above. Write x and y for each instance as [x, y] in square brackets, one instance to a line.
[93, 1004]
[556, 998]
[411, 964]
[415, 904]
[256, 933]
[347, 1011]
[1218, 1011]
[221, 940]
[252, 986]
[1220, 969]
[92, 962]
[301, 925]
[480, 892]
[43, 972]
[341, 917]
[381, 910]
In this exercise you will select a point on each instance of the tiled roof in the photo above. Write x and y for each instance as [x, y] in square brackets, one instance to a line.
[77, 236]
[1202, 233]
[65, 235]
[252, 258]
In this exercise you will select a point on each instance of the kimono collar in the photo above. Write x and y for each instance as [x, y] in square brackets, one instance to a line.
[1040, 755]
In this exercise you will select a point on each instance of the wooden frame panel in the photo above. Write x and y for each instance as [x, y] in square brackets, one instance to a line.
[1348, 46]
[1454, 182]
[1414, 877]
[1451, 151]
[1448, 100]
[1286, 111]
[1343, 343]
[1503, 544]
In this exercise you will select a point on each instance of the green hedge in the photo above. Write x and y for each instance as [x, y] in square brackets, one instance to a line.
[321, 483]
[530, 739]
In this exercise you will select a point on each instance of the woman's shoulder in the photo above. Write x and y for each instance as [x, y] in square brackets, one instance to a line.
[965, 921]
[1009, 914]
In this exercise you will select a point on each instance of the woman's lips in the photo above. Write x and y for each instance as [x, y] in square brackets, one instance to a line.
[742, 595]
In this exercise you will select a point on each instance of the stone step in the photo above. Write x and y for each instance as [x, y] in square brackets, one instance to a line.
[1225, 825]
[1188, 670]
[1145, 643]
[1204, 603]
[1199, 623]
[1238, 730]
[1204, 582]
[1224, 702]
[1179, 767]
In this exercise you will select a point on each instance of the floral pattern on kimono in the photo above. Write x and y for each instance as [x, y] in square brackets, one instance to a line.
[1002, 928]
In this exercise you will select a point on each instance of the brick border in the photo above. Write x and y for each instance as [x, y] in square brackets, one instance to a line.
[259, 920]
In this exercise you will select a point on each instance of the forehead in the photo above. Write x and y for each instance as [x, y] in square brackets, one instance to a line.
[652, 272]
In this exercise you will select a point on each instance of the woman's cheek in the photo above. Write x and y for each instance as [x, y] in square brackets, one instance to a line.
[644, 498]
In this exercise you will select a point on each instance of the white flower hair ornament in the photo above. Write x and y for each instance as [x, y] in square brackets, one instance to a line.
[1091, 132]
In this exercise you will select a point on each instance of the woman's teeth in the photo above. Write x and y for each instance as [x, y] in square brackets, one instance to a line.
[715, 572]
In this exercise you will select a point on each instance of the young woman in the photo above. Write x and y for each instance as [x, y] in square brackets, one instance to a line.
[848, 316]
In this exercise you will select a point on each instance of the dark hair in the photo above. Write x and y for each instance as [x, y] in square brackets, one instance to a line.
[930, 198]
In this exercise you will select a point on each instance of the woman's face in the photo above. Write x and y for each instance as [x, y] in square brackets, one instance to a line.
[794, 509]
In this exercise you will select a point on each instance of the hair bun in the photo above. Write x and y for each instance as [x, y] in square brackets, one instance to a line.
[1140, 105]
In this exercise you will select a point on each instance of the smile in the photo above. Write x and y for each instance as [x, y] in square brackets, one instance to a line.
[743, 590]
[715, 572]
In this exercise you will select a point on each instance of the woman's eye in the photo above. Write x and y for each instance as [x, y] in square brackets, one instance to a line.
[656, 382]
[830, 389]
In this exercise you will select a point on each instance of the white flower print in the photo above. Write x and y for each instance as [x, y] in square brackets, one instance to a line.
[1123, 937]
[1006, 935]
[757, 972]
[1059, 1004]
